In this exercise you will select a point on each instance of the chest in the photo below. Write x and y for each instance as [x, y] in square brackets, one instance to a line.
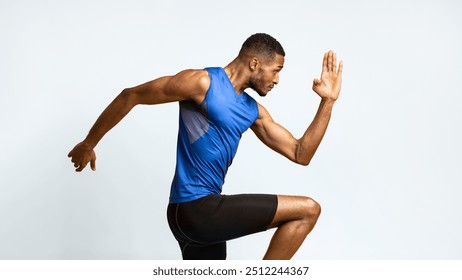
[229, 111]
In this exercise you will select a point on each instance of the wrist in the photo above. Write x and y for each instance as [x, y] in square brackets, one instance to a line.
[327, 100]
[88, 144]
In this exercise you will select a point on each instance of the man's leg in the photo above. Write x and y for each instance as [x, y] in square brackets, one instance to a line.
[295, 218]
[215, 251]
[216, 218]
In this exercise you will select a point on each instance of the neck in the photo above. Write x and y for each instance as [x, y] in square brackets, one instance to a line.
[238, 75]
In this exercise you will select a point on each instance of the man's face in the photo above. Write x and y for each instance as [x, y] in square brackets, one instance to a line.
[266, 75]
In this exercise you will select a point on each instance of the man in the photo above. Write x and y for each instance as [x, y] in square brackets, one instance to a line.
[214, 112]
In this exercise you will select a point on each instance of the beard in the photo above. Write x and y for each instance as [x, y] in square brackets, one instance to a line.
[257, 85]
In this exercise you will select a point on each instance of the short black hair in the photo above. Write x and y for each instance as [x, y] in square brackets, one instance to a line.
[263, 44]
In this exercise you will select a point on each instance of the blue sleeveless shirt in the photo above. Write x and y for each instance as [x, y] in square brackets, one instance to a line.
[208, 138]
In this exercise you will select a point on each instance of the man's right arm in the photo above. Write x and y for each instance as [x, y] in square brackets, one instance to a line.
[186, 85]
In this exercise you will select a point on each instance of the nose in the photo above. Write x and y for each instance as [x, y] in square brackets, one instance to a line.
[276, 79]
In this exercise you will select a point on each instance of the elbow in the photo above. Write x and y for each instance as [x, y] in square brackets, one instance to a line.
[126, 93]
[302, 156]
[303, 161]
[128, 97]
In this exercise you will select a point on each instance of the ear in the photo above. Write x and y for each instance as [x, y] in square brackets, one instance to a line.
[254, 63]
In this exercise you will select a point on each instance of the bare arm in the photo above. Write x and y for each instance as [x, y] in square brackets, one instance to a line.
[281, 140]
[186, 85]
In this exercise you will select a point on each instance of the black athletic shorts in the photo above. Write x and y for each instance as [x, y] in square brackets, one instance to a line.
[203, 226]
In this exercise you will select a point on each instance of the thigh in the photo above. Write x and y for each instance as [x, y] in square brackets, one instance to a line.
[216, 251]
[217, 218]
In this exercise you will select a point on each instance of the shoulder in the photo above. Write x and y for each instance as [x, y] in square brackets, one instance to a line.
[194, 82]
[262, 112]
[193, 77]
[262, 118]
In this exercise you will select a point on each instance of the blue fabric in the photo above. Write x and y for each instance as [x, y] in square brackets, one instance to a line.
[208, 138]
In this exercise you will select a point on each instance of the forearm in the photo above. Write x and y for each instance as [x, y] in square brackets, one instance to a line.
[309, 143]
[111, 116]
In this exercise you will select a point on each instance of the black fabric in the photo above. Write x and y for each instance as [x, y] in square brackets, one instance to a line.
[203, 226]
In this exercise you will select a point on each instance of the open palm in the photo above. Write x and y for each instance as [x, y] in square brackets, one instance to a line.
[328, 87]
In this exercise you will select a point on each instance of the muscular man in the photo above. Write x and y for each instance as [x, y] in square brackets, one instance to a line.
[214, 112]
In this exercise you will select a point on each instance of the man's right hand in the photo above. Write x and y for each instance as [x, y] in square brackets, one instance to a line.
[328, 87]
[81, 155]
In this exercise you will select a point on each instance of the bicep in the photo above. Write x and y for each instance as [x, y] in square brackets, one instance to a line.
[274, 135]
[186, 85]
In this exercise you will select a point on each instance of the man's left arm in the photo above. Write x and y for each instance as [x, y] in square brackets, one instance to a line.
[281, 140]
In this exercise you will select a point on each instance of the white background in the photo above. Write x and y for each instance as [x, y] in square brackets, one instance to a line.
[387, 173]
